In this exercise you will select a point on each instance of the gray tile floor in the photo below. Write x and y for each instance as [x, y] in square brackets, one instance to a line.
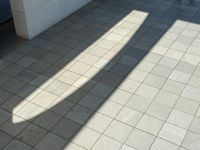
[118, 74]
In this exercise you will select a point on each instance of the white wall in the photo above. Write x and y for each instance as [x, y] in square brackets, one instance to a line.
[31, 17]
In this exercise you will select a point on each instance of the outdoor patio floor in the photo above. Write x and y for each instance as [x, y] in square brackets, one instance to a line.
[116, 75]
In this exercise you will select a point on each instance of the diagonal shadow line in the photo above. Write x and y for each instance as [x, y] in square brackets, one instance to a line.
[118, 72]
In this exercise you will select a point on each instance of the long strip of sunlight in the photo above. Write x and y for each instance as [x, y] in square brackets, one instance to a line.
[135, 17]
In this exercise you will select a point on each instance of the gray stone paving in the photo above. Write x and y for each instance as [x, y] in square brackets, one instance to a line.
[116, 75]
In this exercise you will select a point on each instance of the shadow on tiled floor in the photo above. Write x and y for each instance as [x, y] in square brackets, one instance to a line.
[120, 74]
[8, 38]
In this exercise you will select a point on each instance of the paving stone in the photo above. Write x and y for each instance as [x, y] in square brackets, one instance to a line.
[118, 131]
[191, 141]
[140, 140]
[129, 116]
[105, 142]
[32, 135]
[150, 124]
[5, 139]
[180, 119]
[51, 142]
[18, 145]
[164, 145]
[172, 133]
[86, 138]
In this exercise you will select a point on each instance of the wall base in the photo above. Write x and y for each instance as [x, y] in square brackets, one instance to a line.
[32, 17]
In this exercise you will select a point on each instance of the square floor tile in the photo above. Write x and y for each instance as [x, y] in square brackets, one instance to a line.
[4, 115]
[126, 147]
[150, 124]
[118, 131]
[129, 85]
[120, 96]
[179, 76]
[195, 126]
[105, 143]
[40, 81]
[27, 75]
[180, 119]
[166, 98]
[13, 70]
[51, 142]
[14, 85]
[110, 109]
[5, 139]
[54, 72]
[98, 122]
[160, 144]
[162, 71]
[152, 57]
[91, 101]
[39, 66]
[26, 61]
[185, 67]
[13, 104]
[106, 44]
[79, 68]
[72, 146]
[13, 56]
[159, 111]
[114, 37]
[79, 114]
[174, 54]
[84, 83]
[86, 138]
[4, 95]
[4, 64]
[191, 141]
[73, 94]
[187, 105]
[140, 140]
[101, 89]
[57, 87]
[47, 120]
[104, 64]
[197, 71]
[129, 116]
[44, 99]
[4, 78]
[89, 59]
[14, 125]
[138, 75]
[67, 128]
[155, 81]
[191, 93]
[192, 59]
[17, 145]
[26, 91]
[139, 103]
[145, 66]
[173, 86]
[172, 133]
[32, 135]
[30, 111]
[69, 77]
[194, 81]
[168, 62]
[120, 69]
[146, 91]
[50, 58]
[61, 106]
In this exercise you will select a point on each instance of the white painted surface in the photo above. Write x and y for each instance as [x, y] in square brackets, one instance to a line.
[31, 17]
